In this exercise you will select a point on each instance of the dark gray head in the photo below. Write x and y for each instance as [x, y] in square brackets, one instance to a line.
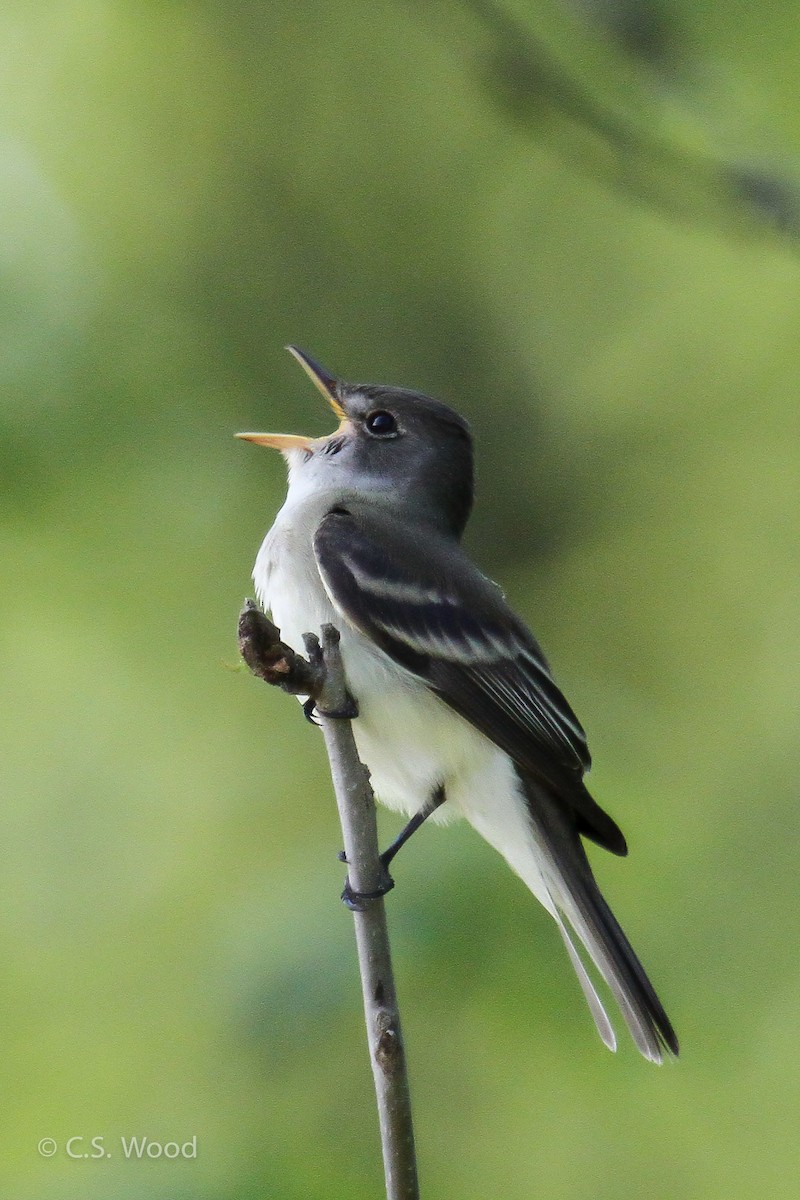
[393, 446]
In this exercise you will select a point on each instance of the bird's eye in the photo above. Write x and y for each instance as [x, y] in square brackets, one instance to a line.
[381, 424]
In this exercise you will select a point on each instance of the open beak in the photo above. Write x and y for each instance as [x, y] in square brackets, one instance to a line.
[326, 384]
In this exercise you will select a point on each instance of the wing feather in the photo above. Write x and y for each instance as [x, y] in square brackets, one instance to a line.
[422, 600]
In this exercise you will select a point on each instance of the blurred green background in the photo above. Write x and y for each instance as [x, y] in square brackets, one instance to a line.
[416, 195]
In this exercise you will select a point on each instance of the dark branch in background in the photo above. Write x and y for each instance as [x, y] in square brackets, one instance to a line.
[527, 80]
[322, 678]
[644, 29]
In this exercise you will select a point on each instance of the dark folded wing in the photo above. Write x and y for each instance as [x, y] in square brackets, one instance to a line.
[427, 605]
[420, 599]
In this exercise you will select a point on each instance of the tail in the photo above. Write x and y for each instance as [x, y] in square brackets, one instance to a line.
[576, 897]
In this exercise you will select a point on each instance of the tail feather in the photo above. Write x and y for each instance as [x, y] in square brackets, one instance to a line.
[599, 1014]
[616, 961]
[578, 898]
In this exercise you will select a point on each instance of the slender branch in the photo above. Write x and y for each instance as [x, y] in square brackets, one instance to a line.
[323, 678]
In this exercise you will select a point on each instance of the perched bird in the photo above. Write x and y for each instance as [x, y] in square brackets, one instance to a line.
[457, 707]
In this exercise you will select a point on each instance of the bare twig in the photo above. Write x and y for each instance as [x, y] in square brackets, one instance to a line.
[323, 678]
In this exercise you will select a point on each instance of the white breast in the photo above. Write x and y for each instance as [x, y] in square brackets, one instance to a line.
[408, 739]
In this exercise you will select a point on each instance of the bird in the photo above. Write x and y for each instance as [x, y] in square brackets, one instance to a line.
[458, 710]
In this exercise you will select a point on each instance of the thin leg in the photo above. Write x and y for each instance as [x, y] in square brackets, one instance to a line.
[436, 799]
[356, 900]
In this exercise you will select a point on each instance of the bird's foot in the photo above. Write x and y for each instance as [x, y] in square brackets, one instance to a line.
[358, 901]
[348, 712]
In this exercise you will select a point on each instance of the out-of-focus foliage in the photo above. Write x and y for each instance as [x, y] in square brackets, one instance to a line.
[183, 189]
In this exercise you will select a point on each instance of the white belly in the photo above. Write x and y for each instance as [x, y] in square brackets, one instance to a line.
[409, 740]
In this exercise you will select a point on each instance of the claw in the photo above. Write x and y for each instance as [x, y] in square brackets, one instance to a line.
[359, 901]
[348, 713]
